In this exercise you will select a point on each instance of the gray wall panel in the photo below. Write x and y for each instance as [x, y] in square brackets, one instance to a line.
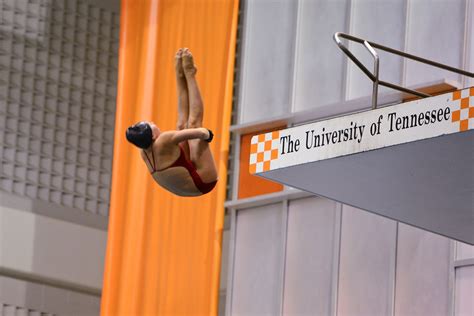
[224, 259]
[257, 262]
[289, 62]
[36, 299]
[464, 251]
[470, 48]
[464, 301]
[435, 31]
[367, 262]
[381, 22]
[51, 249]
[309, 257]
[319, 69]
[423, 264]
[20, 293]
[267, 63]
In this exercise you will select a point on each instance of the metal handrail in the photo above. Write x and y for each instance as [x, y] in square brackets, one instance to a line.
[376, 73]
[374, 77]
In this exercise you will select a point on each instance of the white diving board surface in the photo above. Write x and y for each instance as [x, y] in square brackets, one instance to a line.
[412, 162]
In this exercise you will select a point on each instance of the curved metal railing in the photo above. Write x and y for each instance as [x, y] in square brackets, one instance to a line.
[374, 77]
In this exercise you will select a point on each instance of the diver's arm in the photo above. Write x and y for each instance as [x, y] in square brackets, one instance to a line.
[191, 133]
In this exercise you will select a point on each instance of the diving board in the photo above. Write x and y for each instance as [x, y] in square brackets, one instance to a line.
[412, 162]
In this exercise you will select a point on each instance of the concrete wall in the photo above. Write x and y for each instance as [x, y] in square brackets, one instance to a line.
[52, 249]
[50, 265]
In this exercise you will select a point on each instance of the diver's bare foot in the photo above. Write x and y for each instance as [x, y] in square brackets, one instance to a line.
[178, 63]
[188, 63]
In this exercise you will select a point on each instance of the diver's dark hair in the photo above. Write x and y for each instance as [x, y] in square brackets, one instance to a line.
[140, 135]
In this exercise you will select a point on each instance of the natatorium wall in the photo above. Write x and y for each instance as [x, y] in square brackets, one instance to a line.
[58, 69]
[294, 254]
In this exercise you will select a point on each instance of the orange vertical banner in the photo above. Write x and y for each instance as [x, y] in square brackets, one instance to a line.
[163, 251]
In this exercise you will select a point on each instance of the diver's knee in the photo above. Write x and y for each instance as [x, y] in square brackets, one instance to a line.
[181, 125]
[194, 122]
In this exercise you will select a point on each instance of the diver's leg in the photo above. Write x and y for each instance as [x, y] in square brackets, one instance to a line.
[183, 99]
[196, 111]
[200, 153]
[182, 89]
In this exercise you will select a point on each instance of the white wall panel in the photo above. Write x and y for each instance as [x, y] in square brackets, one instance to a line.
[367, 262]
[464, 300]
[435, 31]
[310, 257]
[224, 259]
[258, 261]
[422, 273]
[267, 63]
[464, 251]
[51, 249]
[319, 69]
[225, 268]
[380, 271]
[382, 22]
[21, 293]
[36, 297]
[470, 47]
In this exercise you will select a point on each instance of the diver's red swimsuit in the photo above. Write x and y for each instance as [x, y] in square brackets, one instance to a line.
[183, 162]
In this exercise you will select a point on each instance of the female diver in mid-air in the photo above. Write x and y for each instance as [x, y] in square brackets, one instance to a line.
[180, 161]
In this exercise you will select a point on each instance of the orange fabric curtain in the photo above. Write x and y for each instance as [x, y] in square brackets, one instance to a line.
[163, 251]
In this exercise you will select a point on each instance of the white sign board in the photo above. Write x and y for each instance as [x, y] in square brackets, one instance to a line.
[407, 122]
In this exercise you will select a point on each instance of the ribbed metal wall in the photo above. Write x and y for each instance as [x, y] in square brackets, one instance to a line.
[58, 74]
